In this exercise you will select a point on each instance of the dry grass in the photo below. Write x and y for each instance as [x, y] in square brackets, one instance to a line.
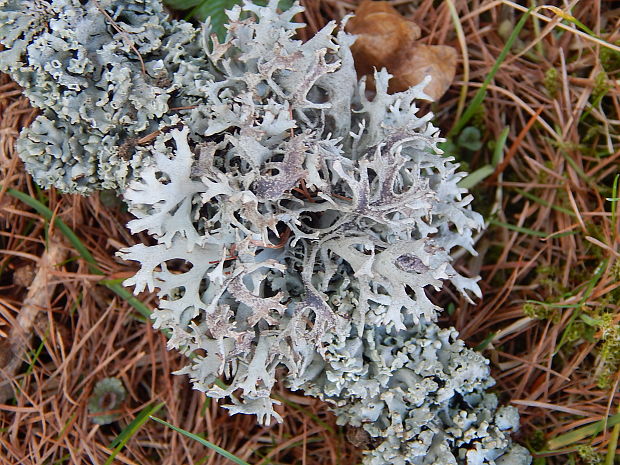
[548, 321]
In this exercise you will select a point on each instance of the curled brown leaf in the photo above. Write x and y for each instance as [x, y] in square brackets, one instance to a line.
[381, 32]
[386, 39]
[438, 61]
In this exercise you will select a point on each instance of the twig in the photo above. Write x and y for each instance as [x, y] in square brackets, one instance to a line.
[39, 295]
[515, 145]
[124, 34]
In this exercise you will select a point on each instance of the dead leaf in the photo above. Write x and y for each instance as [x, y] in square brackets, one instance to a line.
[438, 61]
[386, 39]
[381, 32]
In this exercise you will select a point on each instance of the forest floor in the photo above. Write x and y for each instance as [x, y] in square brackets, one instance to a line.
[547, 137]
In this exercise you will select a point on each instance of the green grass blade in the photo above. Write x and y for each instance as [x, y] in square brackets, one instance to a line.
[128, 297]
[36, 354]
[583, 27]
[552, 305]
[62, 459]
[131, 429]
[545, 203]
[578, 434]
[93, 266]
[536, 23]
[182, 4]
[519, 229]
[614, 204]
[66, 230]
[571, 19]
[61, 433]
[485, 342]
[613, 445]
[476, 177]
[204, 442]
[500, 145]
[215, 10]
[481, 93]
[569, 159]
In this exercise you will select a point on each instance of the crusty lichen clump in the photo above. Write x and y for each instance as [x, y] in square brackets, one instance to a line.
[299, 223]
[100, 79]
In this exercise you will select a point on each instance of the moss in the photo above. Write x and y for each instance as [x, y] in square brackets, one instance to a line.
[610, 59]
[547, 277]
[592, 132]
[552, 82]
[576, 332]
[600, 89]
[538, 311]
[479, 118]
[542, 177]
[589, 455]
[615, 270]
[536, 440]
[596, 231]
[610, 350]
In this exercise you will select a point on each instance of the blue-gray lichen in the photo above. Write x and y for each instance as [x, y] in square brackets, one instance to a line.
[419, 394]
[102, 73]
[299, 221]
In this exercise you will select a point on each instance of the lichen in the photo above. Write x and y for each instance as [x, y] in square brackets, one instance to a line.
[101, 79]
[299, 221]
[420, 395]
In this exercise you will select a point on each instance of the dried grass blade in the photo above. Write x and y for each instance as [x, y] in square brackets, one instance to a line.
[460, 34]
